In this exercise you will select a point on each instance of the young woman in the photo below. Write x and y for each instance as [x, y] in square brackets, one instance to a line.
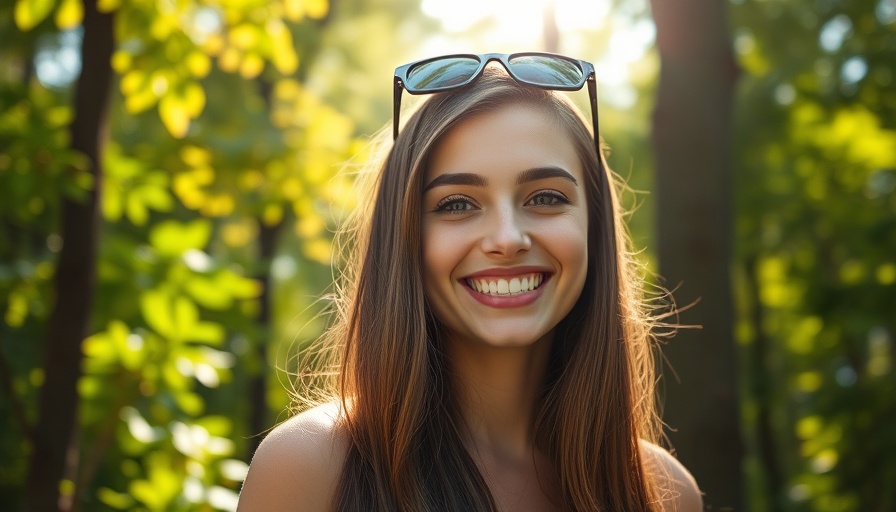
[496, 354]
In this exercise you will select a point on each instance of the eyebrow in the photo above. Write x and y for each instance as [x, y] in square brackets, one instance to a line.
[476, 180]
[457, 178]
[543, 173]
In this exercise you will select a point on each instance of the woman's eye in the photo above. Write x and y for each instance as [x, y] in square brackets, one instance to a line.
[548, 198]
[455, 204]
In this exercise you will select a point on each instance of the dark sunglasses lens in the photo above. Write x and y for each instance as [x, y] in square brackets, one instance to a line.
[441, 73]
[547, 71]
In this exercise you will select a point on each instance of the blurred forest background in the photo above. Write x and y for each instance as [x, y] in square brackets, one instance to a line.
[171, 173]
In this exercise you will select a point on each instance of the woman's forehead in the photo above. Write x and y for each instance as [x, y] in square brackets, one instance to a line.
[517, 137]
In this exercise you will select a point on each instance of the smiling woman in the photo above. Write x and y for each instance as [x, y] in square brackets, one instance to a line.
[495, 213]
[495, 353]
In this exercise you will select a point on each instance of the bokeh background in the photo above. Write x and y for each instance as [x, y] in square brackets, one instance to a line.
[171, 173]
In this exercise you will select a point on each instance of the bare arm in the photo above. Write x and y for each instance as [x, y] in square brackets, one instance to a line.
[678, 488]
[297, 466]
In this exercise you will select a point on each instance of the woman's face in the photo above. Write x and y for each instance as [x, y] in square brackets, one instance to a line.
[505, 227]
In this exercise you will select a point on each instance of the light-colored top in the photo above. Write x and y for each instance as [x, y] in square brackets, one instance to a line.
[298, 465]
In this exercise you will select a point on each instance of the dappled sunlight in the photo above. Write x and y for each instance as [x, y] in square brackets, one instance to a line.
[229, 145]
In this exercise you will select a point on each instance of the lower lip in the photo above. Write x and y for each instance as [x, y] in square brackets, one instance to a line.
[507, 301]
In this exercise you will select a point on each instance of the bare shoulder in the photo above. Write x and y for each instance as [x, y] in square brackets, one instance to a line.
[679, 491]
[298, 465]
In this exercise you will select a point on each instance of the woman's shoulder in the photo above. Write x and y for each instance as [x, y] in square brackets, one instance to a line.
[677, 487]
[297, 466]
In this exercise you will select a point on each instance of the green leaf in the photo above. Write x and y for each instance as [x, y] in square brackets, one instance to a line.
[114, 499]
[217, 425]
[161, 487]
[186, 316]
[189, 402]
[207, 332]
[171, 238]
[156, 308]
[207, 292]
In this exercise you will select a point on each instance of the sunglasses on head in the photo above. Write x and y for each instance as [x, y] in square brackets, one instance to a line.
[544, 70]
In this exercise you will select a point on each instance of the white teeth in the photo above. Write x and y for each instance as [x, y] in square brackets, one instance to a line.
[513, 286]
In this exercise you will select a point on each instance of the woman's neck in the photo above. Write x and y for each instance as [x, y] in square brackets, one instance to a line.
[497, 389]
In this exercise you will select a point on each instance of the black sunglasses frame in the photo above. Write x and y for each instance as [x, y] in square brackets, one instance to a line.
[587, 69]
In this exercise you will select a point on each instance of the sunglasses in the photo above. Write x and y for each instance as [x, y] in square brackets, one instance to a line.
[544, 70]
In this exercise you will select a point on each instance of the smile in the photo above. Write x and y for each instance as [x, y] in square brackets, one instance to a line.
[504, 286]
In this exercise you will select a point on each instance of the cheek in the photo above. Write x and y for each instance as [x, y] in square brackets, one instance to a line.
[442, 251]
[568, 242]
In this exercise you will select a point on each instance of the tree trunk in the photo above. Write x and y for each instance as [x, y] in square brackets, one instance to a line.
[74, 281]
[691, 136]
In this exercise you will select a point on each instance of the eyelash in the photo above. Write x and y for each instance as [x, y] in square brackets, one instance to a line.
[554, 197]
[445, 205]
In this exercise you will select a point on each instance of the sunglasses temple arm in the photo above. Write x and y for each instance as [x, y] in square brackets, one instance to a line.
[396, 107]
[592, 94]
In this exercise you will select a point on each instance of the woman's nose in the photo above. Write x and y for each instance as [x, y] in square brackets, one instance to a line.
[505, 233]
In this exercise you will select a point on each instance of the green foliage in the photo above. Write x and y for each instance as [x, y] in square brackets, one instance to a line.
[214, 136]
[231, 120]
[817, 235]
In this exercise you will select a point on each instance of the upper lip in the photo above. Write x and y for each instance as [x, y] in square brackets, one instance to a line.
[509, 271]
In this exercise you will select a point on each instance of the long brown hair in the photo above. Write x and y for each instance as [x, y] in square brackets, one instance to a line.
[406, 451]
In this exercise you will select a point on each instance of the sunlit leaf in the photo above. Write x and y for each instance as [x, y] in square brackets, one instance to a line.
[252, 66]
[195, 156]
[295, 9]
[804, 335]
[121, 61]
[190, 403]
[161, 486]
[186, 315]
[69, 14]
[272, 214]
[283, 52]
[108, 5]
[16, 309]
[199, 64]
[100, 346]
[207, 332]
[809, 427]
[238, 234]
[171, 238]
[175, 115]
[155, 306]
[230, 59]
[316, 8]
[139, 428]
[886, 274]
[298, 9]
[90, 386]
[207, 293]
[136, 210]
[29, 13]
[133, 81]
[244, 36]
[319, 250]
[116, 500]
